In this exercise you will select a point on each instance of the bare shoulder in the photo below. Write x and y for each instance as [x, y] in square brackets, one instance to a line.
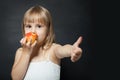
[55, 45]
[18, 53]
[19, 49]
[17, 56]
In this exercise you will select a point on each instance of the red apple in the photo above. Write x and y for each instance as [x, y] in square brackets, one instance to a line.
[31, 37]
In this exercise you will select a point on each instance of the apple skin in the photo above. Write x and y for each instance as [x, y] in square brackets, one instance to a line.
[31, 37]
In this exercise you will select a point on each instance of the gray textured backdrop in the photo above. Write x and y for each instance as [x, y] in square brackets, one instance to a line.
[71, 19]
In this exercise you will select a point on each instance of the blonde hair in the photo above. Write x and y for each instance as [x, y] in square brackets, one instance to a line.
[44, 16]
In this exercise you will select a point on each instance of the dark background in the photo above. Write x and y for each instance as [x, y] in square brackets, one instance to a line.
[71, 19]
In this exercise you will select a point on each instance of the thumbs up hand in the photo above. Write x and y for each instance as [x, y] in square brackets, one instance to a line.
[76, 51]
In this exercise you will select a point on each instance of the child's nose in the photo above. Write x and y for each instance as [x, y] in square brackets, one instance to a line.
[33, 30]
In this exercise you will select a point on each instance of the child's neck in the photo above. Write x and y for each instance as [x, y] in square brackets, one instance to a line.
[36, 51]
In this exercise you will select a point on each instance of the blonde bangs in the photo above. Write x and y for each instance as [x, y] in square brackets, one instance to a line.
[31, 18]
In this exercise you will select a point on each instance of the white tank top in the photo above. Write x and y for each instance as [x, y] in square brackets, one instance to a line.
[43, 70]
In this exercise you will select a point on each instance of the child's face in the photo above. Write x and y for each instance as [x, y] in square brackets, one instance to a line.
[38, 28]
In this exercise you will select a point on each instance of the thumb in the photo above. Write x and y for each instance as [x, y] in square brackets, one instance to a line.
[77, 43]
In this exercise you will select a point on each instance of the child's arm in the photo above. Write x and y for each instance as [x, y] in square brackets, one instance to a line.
[73, 51]
[22, 59]
[20, 65]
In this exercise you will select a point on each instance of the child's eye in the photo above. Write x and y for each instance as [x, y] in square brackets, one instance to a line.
[28, 26]
[39, 26]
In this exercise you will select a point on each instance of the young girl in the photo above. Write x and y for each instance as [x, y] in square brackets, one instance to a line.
[40, 60]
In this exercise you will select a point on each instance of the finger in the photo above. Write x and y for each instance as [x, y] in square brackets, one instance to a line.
[23, 41]
[28, 44]
[78, 42]
[34, 44]
[77, 51]
[72, 59]
[75, 58]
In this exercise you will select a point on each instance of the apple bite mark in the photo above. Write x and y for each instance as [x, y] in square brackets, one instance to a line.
[31, 37]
